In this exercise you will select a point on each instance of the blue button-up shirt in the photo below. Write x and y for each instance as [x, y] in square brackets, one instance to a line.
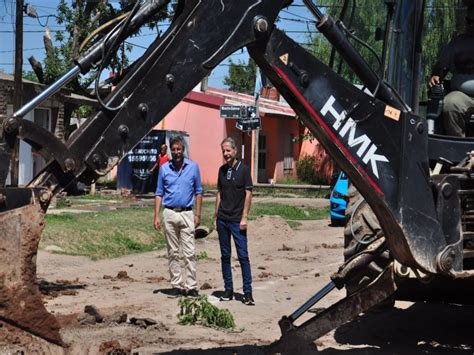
[178, 188]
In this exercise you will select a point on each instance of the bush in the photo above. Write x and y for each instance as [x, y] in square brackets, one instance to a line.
[306, 169]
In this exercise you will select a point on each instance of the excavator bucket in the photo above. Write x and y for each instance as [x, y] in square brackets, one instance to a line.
[21, 303]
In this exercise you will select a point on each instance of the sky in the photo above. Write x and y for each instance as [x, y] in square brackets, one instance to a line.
[295, 20]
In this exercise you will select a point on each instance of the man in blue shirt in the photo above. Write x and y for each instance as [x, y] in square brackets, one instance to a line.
[178, 189]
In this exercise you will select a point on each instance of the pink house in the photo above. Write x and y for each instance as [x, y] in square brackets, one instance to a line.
[271, 155]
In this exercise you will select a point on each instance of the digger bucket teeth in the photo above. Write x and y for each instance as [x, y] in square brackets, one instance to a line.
[21, 303]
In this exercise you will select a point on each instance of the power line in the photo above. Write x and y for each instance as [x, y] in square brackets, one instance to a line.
[24, 50]
[34, 24]
[31, 31]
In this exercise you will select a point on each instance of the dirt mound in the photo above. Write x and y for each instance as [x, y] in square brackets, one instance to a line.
[274, 227]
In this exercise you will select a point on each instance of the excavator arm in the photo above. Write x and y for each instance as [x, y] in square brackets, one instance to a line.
[375, 139]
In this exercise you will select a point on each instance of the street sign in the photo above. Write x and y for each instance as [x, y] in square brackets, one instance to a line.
[250, 120]
[233, 111]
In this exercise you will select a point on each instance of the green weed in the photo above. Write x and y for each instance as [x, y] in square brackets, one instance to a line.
[202, 256]
[293, 224]
[201, 311]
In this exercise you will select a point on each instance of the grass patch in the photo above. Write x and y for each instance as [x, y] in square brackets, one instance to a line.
[108, 234]
[103, 234]
[202, 256]
[295, 225]
[84, 199]
[290, 181]
[100, 197]
[287, 212]
[289, 192]
[207, 214]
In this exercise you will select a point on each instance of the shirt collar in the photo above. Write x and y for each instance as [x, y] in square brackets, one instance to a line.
[236, 166]
[185, 162]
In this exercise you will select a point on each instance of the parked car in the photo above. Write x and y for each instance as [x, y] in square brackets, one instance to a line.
[338, 200]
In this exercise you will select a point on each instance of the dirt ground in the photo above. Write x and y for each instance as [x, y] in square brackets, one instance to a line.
[288, 267]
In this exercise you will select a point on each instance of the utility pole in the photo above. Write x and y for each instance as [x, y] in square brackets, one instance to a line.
[17, 86]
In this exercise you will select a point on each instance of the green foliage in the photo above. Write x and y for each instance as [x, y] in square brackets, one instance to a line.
[368, 16]
[81, 18]
[30, 75]
[241, 77]
[202, 256]
[443, 19]
[201, 311]
[306, 170]
[83, 111]
[63, 202]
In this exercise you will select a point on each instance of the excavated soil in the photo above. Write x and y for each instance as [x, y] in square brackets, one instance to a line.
[288, 267]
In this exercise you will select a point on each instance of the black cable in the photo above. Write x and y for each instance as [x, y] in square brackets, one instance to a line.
[106, 57]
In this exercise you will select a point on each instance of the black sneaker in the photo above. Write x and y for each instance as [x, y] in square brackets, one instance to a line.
[227, 296]
[248, 299]
[174, 292]
[192, 293]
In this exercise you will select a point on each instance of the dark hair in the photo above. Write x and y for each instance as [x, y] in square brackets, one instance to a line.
[177, 139]
[231, 141]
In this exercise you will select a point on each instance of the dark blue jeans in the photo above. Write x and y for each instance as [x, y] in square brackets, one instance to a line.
[226, 230]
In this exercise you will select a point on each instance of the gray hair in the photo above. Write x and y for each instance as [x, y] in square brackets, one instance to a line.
[177, 139]
[231, 141]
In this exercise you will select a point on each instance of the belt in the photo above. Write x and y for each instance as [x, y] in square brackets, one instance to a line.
[179, 209]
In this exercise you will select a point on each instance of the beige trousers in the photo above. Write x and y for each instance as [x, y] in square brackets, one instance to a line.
[456, 106]
[179, 233]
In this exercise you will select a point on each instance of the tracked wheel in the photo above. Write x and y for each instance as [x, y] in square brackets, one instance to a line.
[362, 228]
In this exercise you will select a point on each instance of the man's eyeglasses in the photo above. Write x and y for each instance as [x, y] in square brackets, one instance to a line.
[229, 174]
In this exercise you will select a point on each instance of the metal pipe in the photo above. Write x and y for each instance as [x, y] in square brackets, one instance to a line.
[309, 303]
[314, 9]
[51, 90]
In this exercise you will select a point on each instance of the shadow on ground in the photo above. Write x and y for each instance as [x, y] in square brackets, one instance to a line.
[60, 287]
[420, 329]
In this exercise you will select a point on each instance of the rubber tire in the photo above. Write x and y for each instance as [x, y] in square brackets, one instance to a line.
[362, 222]
[337, 222]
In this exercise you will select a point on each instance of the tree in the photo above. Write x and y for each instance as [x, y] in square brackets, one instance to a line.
[443, 19]
[241, 76]
[81, 18]
[29, 75]
[361, 18]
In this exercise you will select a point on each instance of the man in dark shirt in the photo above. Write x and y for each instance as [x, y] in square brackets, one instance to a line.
[458, 58]
[234, 197]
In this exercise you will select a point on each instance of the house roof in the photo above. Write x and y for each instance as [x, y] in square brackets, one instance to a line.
[266, 106]
[66, 93]
[9, 77]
